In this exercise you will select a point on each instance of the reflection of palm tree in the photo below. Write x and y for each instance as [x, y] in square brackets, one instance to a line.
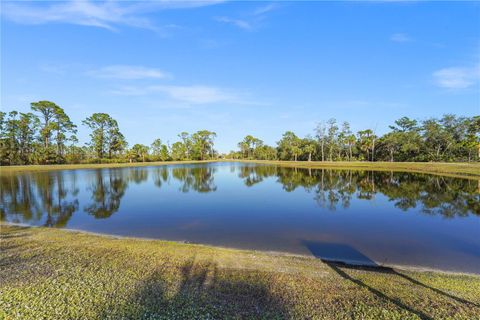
[138, 175]
[200, 179]
[250, 175]
[107, 191]
[366, 186]
[160, 175]
[334, 186]
[291, 179]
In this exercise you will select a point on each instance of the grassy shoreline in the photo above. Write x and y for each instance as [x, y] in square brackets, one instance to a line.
[51, 273]
[463, 170]
[8, 169]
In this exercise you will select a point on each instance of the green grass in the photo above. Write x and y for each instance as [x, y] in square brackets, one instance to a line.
[57, 274]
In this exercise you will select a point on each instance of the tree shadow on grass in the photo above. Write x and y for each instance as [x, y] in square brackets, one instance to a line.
[446, 294]
[16, 258]
[377, 292]
[202, 290]
[10, 247]
[341, 256]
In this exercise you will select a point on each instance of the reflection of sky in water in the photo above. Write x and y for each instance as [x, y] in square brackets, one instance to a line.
[395, 218]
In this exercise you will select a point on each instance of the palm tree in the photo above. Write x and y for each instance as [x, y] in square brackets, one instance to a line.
[310, 149]
[296, 151]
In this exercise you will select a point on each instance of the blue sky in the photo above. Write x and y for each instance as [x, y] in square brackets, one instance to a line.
[241, 68]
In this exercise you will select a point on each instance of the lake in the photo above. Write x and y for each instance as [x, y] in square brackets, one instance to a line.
[360, 217]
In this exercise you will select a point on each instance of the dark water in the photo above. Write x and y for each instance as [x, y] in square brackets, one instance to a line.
[352, 216]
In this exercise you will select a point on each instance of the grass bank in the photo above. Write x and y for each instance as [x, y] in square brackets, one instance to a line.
[57, 274]
[460, 169]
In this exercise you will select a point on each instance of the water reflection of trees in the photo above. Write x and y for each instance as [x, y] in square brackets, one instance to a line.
[200, 179]
[434, 195]
[107, 189]
[191, 178]
[31, 197]
[160, 175]
[51, 198]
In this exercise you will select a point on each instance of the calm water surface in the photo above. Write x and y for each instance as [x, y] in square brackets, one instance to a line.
[352, 216]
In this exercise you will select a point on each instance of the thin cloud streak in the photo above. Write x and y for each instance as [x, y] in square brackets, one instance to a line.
[195, 94]
[242, 24]
[54, 68]
[128, 72]
[251, 21]
[456, 78]
[400, 37]
[191, 94]
[264, 9]
[107, 15]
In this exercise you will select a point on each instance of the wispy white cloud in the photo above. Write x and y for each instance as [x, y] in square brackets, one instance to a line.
[179, 94]
[251, 20]
[194, 94]
[243, 24]
[105, 14]
[456, 78]
[54, 68]
[264, 9]
[198, 94]
[400, 37]
[128, 72]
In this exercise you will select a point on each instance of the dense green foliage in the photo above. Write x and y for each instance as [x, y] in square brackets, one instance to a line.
[449, 138]
[42, 137]
[30, 138]
[48, 136]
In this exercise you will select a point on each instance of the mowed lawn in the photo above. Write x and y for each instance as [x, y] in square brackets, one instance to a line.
[57, 274]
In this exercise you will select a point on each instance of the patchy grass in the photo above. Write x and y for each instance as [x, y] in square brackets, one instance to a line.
[57, 274]
[461, 169]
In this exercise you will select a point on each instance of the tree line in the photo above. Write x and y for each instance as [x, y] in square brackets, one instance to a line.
[449, 138]
[46, 135]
